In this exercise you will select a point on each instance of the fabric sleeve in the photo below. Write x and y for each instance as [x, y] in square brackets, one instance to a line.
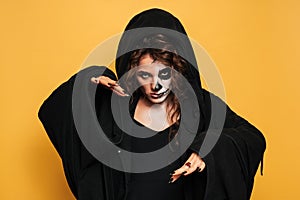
[53, 114]
[247, 137]
[57, 118]
[56, 111]
[235, 157]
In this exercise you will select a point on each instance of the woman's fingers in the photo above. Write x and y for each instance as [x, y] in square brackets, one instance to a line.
[174, 178]
[95, 80]
[119, 91]
[202, 166]
[193, 166]
[110, 84]
[194, 163]
[104, 80]
[186, 166]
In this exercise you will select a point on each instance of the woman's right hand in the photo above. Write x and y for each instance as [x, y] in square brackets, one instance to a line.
[109, 84]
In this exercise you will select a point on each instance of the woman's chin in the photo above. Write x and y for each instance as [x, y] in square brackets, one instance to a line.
[155, 100]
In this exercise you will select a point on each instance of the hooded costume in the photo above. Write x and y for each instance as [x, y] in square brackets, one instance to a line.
[230, 166]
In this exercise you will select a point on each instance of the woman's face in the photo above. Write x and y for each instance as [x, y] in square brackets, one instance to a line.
[154, 79]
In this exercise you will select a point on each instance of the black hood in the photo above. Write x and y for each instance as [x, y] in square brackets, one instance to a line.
[157, 21]
[150, 22]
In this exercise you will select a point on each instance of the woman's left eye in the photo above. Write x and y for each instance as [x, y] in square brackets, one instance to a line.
[165, 74]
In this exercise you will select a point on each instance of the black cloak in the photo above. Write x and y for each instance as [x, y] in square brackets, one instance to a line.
[230, 166]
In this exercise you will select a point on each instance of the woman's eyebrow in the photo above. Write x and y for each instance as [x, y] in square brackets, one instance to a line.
[164, 70]
[143, 72]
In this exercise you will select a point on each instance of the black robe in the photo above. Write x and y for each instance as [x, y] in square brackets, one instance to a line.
[230, 166]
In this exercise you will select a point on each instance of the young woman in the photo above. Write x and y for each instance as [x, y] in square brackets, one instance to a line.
[157, 75]
[156, 107]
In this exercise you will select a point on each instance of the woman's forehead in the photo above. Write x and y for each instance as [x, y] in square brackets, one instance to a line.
[146, 59]
[155, 66]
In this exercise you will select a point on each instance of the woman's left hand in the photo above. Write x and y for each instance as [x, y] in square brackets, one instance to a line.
[194, 163]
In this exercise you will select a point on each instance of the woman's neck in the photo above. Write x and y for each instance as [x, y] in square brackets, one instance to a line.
[151, 115]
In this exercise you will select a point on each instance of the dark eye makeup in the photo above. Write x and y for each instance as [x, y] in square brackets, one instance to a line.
[165, 73]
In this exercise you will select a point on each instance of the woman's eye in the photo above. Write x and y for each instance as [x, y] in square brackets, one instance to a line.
[165, 74]
[144, 75]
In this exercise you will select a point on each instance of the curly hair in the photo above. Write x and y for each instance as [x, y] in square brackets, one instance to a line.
[167, 55]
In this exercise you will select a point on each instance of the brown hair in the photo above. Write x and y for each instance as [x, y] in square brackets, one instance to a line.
[167, 55]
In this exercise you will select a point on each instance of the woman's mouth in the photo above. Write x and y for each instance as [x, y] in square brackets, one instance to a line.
[159, 95]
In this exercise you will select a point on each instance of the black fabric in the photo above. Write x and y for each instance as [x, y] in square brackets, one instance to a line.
[154, 185]
[230, 166]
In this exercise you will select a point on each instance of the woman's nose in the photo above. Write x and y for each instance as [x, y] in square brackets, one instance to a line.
[156, 87]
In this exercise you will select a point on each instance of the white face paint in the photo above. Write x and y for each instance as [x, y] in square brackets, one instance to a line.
[154, 78]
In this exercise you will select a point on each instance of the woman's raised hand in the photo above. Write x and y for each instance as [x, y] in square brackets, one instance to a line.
[193, 164]
[110, 84]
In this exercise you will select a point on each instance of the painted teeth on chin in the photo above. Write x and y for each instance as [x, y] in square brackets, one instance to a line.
[165, 92]
[161, 94]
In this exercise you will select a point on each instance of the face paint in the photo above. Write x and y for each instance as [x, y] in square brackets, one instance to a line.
[165, 74]
[154, 79]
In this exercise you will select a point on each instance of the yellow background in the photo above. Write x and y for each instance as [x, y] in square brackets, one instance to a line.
[255, 45]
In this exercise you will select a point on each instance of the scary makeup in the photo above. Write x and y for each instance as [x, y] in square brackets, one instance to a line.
[154, 79]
